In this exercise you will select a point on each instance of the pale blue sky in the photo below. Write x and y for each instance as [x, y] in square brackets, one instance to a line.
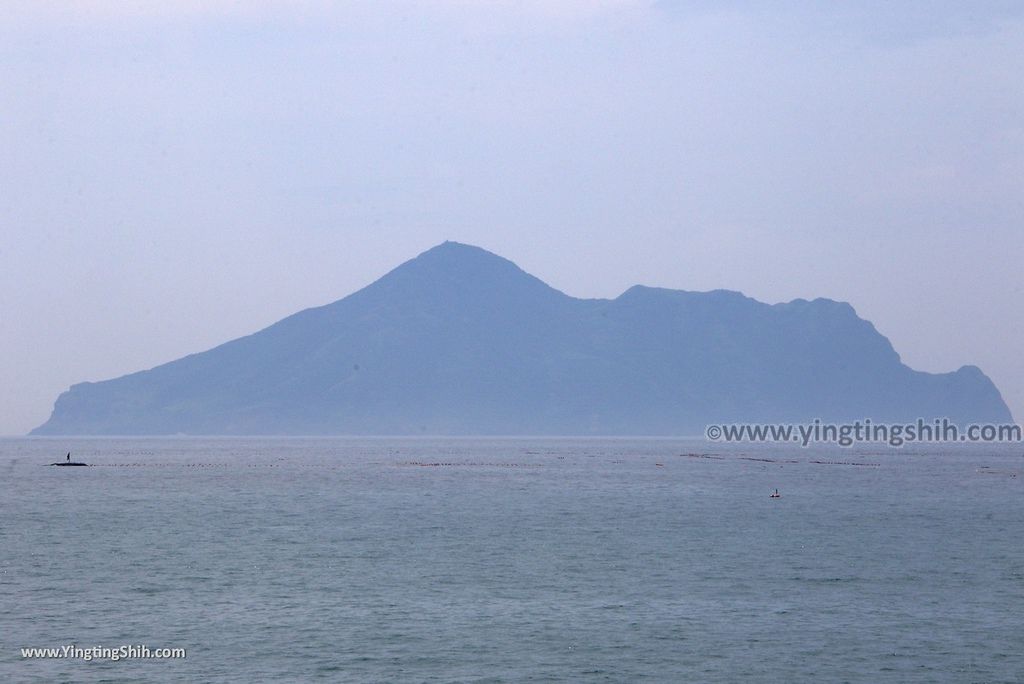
[174, 175]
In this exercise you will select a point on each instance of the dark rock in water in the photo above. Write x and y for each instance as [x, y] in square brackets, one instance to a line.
[460, 341]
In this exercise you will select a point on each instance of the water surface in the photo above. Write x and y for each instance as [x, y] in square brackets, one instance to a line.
[509, 560]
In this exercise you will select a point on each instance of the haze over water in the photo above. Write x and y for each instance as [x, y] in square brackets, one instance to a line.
[513, 559]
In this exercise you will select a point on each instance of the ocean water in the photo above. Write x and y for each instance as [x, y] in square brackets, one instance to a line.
[512, 560]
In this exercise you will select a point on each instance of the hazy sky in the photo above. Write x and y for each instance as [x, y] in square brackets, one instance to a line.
[177, 174]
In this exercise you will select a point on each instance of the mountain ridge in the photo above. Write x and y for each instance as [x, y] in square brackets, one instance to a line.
[462, 341]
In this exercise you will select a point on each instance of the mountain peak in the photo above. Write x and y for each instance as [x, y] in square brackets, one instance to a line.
[454, 266]
[454, 247]
[450, 253]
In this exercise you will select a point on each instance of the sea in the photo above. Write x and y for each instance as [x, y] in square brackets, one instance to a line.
[510, 560]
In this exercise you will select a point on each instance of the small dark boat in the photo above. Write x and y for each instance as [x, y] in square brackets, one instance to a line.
[775, 495]
[68, 462]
